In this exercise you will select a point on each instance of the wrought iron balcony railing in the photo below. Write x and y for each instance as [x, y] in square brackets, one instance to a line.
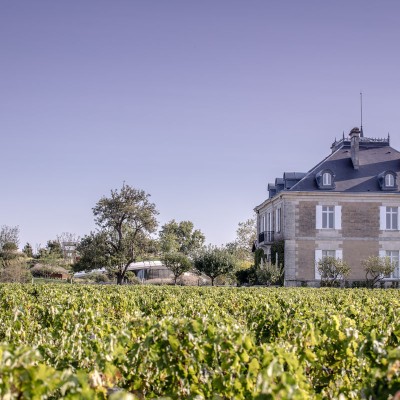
[266, 237]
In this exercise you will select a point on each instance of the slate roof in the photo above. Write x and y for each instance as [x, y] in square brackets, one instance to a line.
[373, 160]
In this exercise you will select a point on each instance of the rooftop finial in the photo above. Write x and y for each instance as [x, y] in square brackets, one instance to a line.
[361, 130]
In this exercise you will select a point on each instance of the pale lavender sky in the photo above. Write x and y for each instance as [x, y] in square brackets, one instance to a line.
[199, 103]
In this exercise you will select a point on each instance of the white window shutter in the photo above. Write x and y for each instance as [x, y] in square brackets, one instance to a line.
[339, 254]
[382, 253]
[398, 218]
[338, 217]
[318, 257]
[318, 217]
[382, 211]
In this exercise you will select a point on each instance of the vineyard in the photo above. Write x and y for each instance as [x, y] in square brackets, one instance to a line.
[142, 342]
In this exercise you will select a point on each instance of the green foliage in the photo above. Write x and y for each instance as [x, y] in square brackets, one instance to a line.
[377, 268]
[333, 271]
[9, 234]
[177, 263]
[268, 274]
[15, 270]
[89, 341]
[246, 234]
[278, 251]
[27, 250]
[131, 278]
[215, 261]
[180, 237]
[125, 221]
[259, 256]
[9, 251]
[246, 276]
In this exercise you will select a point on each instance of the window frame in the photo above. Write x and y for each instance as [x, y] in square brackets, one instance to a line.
[394, 258]
[278, 220]
[319, 255]
[328, 217]
[326, 179]
[337, 217]
[392, 216]
[389, 180]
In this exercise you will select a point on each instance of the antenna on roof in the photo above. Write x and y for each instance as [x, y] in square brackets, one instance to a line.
[362, 133]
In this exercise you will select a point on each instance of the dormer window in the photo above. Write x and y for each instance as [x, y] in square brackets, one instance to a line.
[325, 179]
[387, 180]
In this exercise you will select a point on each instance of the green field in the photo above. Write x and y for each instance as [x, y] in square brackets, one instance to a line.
[86, 342]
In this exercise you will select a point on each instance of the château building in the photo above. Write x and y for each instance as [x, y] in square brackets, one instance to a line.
[346, 207]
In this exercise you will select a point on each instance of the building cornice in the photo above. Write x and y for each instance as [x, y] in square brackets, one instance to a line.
[316, 195]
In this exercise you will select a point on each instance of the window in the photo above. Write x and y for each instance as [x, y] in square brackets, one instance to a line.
[278, 219]
[389, 218]
[321, 254]
[326, 179]
[328, 217]
[328, 253]
[262, 223]
[389, 180]
[394, 259]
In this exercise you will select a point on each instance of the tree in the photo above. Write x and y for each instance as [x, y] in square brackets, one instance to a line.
[332, 271]
[9, 234]
[125, 221]
[177, 263]
[27, 250]
[241, 248]
[377, 268]
[180, 237]
[215, 261]
[246, 234]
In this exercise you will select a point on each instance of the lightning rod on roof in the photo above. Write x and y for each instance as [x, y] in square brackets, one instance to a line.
[361, 128]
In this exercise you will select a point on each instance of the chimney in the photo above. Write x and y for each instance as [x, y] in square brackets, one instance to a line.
[355, 147]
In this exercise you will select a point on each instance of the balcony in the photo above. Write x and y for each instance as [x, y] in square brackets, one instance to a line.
[266, 237]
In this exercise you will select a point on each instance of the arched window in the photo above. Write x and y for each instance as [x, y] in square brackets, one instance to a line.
[326, 179]
[389, 180]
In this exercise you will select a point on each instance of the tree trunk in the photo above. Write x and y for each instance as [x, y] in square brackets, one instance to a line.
[120, 278]
[212, 281]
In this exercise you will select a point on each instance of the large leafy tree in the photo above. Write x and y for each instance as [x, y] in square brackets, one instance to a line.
[177, 263]
[180, 237]
[125, 221]
[214, 262]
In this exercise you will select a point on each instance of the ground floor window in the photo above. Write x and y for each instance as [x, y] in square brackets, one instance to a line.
[321, 255]
[394, 259]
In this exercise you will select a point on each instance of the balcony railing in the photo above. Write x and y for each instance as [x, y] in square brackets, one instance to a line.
[266, 237]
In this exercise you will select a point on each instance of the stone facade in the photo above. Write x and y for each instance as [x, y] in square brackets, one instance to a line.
[354, 217]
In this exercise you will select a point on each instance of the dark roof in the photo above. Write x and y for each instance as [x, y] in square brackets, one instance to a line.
[373, 160]
[293, 175]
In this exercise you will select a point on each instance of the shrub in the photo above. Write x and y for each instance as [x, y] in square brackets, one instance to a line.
[377, 268]
[333, 271]
[268, 274]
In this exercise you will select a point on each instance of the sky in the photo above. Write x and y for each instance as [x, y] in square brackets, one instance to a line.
[198, 103]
